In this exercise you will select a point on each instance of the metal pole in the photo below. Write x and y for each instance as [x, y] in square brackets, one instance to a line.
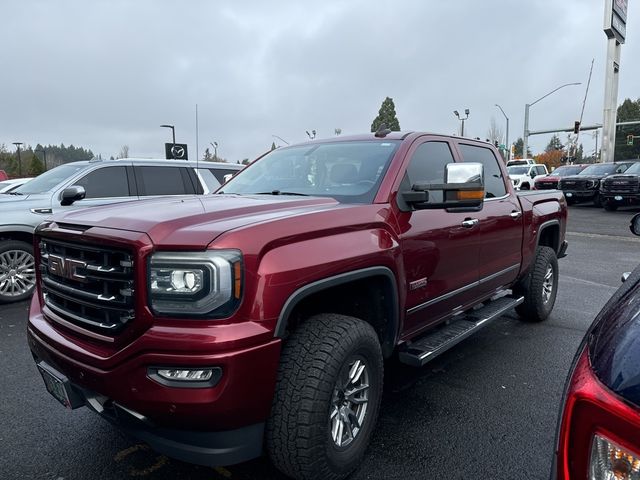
[506, 141]
[525, 137]
[610, 101]
[197, 153]
[462, 132]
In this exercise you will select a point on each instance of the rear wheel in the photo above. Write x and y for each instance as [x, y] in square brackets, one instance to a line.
[17, 271]
[327, 398]
[540, 287]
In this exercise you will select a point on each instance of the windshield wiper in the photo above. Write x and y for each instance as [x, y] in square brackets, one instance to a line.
[278, 192]
[13, 193]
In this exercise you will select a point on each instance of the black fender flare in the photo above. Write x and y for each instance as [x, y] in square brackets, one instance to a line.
[392, 331]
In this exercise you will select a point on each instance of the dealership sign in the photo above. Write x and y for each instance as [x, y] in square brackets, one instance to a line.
[615, 20]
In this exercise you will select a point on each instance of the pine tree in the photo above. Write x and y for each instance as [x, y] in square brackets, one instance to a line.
[386, 115]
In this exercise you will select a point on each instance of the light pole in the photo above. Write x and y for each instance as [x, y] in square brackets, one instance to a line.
[173, 135]
[525, 138]
[466, 112]
[215, 151]
[506, 141]
[17, 144]
[44, 157]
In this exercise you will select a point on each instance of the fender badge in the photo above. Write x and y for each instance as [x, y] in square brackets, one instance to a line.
[416, 284]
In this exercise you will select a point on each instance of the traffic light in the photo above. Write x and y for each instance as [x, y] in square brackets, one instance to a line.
[629, 139]
[576, 127]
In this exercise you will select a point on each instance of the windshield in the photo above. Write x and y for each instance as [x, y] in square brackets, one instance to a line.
[635, 168]
[350, 172]
[603, 169]
[566, 171]
[517, 170]
[48, 180]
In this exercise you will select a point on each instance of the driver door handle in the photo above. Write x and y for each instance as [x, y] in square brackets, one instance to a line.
[470, 222]
[516, 214]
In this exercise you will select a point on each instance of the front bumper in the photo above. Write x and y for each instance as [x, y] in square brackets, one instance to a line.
[214, 425]
[620, 198]
[580, 194]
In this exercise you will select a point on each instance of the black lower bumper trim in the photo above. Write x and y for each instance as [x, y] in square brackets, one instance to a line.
[210, 449]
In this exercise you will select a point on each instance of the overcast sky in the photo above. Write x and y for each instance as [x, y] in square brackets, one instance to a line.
[102, 74]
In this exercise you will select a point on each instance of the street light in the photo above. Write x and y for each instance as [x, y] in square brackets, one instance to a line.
[525, 138]
[17, 144]
[215, 151]
[466, 112]
[173, 134]
[506, 141]
[44, 157]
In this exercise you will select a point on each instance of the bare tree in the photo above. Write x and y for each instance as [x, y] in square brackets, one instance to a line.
[495, 132]
[124, 152]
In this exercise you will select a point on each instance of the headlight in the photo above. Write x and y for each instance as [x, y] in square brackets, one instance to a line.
[592, 183]
[195, 284]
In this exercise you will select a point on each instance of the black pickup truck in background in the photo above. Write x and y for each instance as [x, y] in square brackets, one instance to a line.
[585, 187]
[621, 190]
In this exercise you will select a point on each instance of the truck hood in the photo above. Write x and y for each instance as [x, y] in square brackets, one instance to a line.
[194, 221]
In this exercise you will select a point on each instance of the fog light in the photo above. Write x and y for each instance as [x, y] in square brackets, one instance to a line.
[186, 375]
[611, 461]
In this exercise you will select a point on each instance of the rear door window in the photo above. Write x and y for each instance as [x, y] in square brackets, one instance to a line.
[156, 180]
[493, 181]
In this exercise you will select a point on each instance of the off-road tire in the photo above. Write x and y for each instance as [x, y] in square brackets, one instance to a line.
[298, 434]
[9, 250]
[532, 287]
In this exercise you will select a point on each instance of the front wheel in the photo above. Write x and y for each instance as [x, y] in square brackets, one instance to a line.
[17, 271]
[540, 287]
[327, 398]
[597, 200]
[610, 206]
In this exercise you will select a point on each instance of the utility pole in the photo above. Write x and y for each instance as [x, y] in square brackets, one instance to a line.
[44, 157]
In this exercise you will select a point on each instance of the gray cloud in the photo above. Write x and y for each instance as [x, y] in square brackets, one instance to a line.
[103, 74]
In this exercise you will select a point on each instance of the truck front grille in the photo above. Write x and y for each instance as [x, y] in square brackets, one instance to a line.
[88, 286]
[546, 185]
[612, 185]
[572, 185]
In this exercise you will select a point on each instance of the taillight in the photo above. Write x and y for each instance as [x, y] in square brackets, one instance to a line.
[599, 437]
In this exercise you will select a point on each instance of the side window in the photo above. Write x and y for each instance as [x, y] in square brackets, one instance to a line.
[541, 170]
[105, 182]
[428, 164]
[219, 173]
[153, 180]
[210, 181]
[493, 181]
[622, 168]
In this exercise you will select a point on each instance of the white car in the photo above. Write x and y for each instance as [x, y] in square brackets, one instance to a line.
[521, 161]
[523, 176]
[7, 186]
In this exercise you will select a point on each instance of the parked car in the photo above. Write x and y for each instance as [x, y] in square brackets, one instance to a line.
[82, 184]
[3, 175]
[600, 419]
[521, 161]
[7, 186]
[621, 190]
[585, 186]
[264, 313]
[551, 181]
[523, 176]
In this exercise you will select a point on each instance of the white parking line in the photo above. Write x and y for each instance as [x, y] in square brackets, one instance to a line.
[604, 237]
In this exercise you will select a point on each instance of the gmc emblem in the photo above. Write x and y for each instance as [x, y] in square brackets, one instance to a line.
[66, 267]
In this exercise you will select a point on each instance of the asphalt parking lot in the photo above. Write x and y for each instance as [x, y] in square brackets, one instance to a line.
[486, 409]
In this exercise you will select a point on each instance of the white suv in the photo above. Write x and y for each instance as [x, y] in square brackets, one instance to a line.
[523, 176]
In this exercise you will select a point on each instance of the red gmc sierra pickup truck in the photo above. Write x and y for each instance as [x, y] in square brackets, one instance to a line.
[259, 318]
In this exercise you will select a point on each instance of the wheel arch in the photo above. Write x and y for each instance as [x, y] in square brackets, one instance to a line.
[549, 235]
[377, 284]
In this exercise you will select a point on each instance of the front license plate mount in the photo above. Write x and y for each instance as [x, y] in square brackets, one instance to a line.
[59, 386]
